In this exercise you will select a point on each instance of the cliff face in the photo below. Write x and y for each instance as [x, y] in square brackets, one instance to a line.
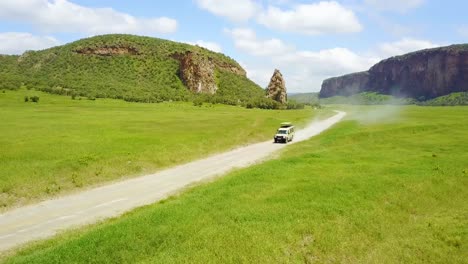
[345, 85]
[277, 88]
[198, 72]
[428, 73]
[423, 74]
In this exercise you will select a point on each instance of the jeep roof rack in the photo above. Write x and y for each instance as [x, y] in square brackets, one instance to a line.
[286, 124]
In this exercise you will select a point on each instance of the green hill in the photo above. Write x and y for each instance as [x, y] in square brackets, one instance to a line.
[372, 98]
[448, 100]
[367, 98]
[132, 68]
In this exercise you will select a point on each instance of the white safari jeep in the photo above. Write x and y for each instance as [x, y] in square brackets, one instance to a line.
[285, 133]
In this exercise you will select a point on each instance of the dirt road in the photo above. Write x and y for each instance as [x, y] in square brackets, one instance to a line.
[47, 218]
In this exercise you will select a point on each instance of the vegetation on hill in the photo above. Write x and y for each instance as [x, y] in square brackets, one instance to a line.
[10, 78]
[311, 99]
[394, 191]
[133, 68]
[305, 98]
[448, 100]
[366, 98]
[58, 144]
[372, 98]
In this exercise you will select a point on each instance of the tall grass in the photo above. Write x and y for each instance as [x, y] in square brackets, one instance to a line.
[383, 191]
[59, 144]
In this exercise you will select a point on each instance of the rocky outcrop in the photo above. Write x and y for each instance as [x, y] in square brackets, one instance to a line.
[345, 85]
[108, 50]
[197, 71]
[423, 74]
[277, 88]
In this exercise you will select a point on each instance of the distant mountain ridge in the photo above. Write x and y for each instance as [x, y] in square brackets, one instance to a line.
[421, 75]
[304, 98]
[133, 68]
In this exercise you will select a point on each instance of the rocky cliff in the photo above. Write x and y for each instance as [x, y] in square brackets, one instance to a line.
[198, 71]
[277, 88]
[423, 74]
[345, 85]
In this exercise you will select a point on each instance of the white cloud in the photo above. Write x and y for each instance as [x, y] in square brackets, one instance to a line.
[312, 19]
[209, 45]
[213, 46]
[307, 69]
[303, 70]
[17, 42]
[238, 11]
[246, 40]
[260, 74]
[328, 61]
[65, 16]
[395, 5]
[403, 46]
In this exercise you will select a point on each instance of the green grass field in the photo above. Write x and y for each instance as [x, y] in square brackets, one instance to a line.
[59, 144]
[391, 191]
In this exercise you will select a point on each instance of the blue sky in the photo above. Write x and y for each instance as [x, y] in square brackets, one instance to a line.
[307, 40]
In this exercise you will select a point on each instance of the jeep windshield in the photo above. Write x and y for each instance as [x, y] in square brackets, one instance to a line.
[281, 131]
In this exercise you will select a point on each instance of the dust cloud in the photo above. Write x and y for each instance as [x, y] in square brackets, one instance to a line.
[376, 114]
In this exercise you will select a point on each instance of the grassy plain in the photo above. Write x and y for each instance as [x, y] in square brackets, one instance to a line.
[60, 144]
[387, 185]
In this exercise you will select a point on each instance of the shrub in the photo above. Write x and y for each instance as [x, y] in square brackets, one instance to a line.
[198, 102]
[316, 105]
[264, 103]
[34, 99]
[366, 98]
[460, 98]
[26, 99]
[294, 105]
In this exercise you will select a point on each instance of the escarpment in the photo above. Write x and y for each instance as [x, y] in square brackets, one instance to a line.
[345, 85]
[422, 74]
